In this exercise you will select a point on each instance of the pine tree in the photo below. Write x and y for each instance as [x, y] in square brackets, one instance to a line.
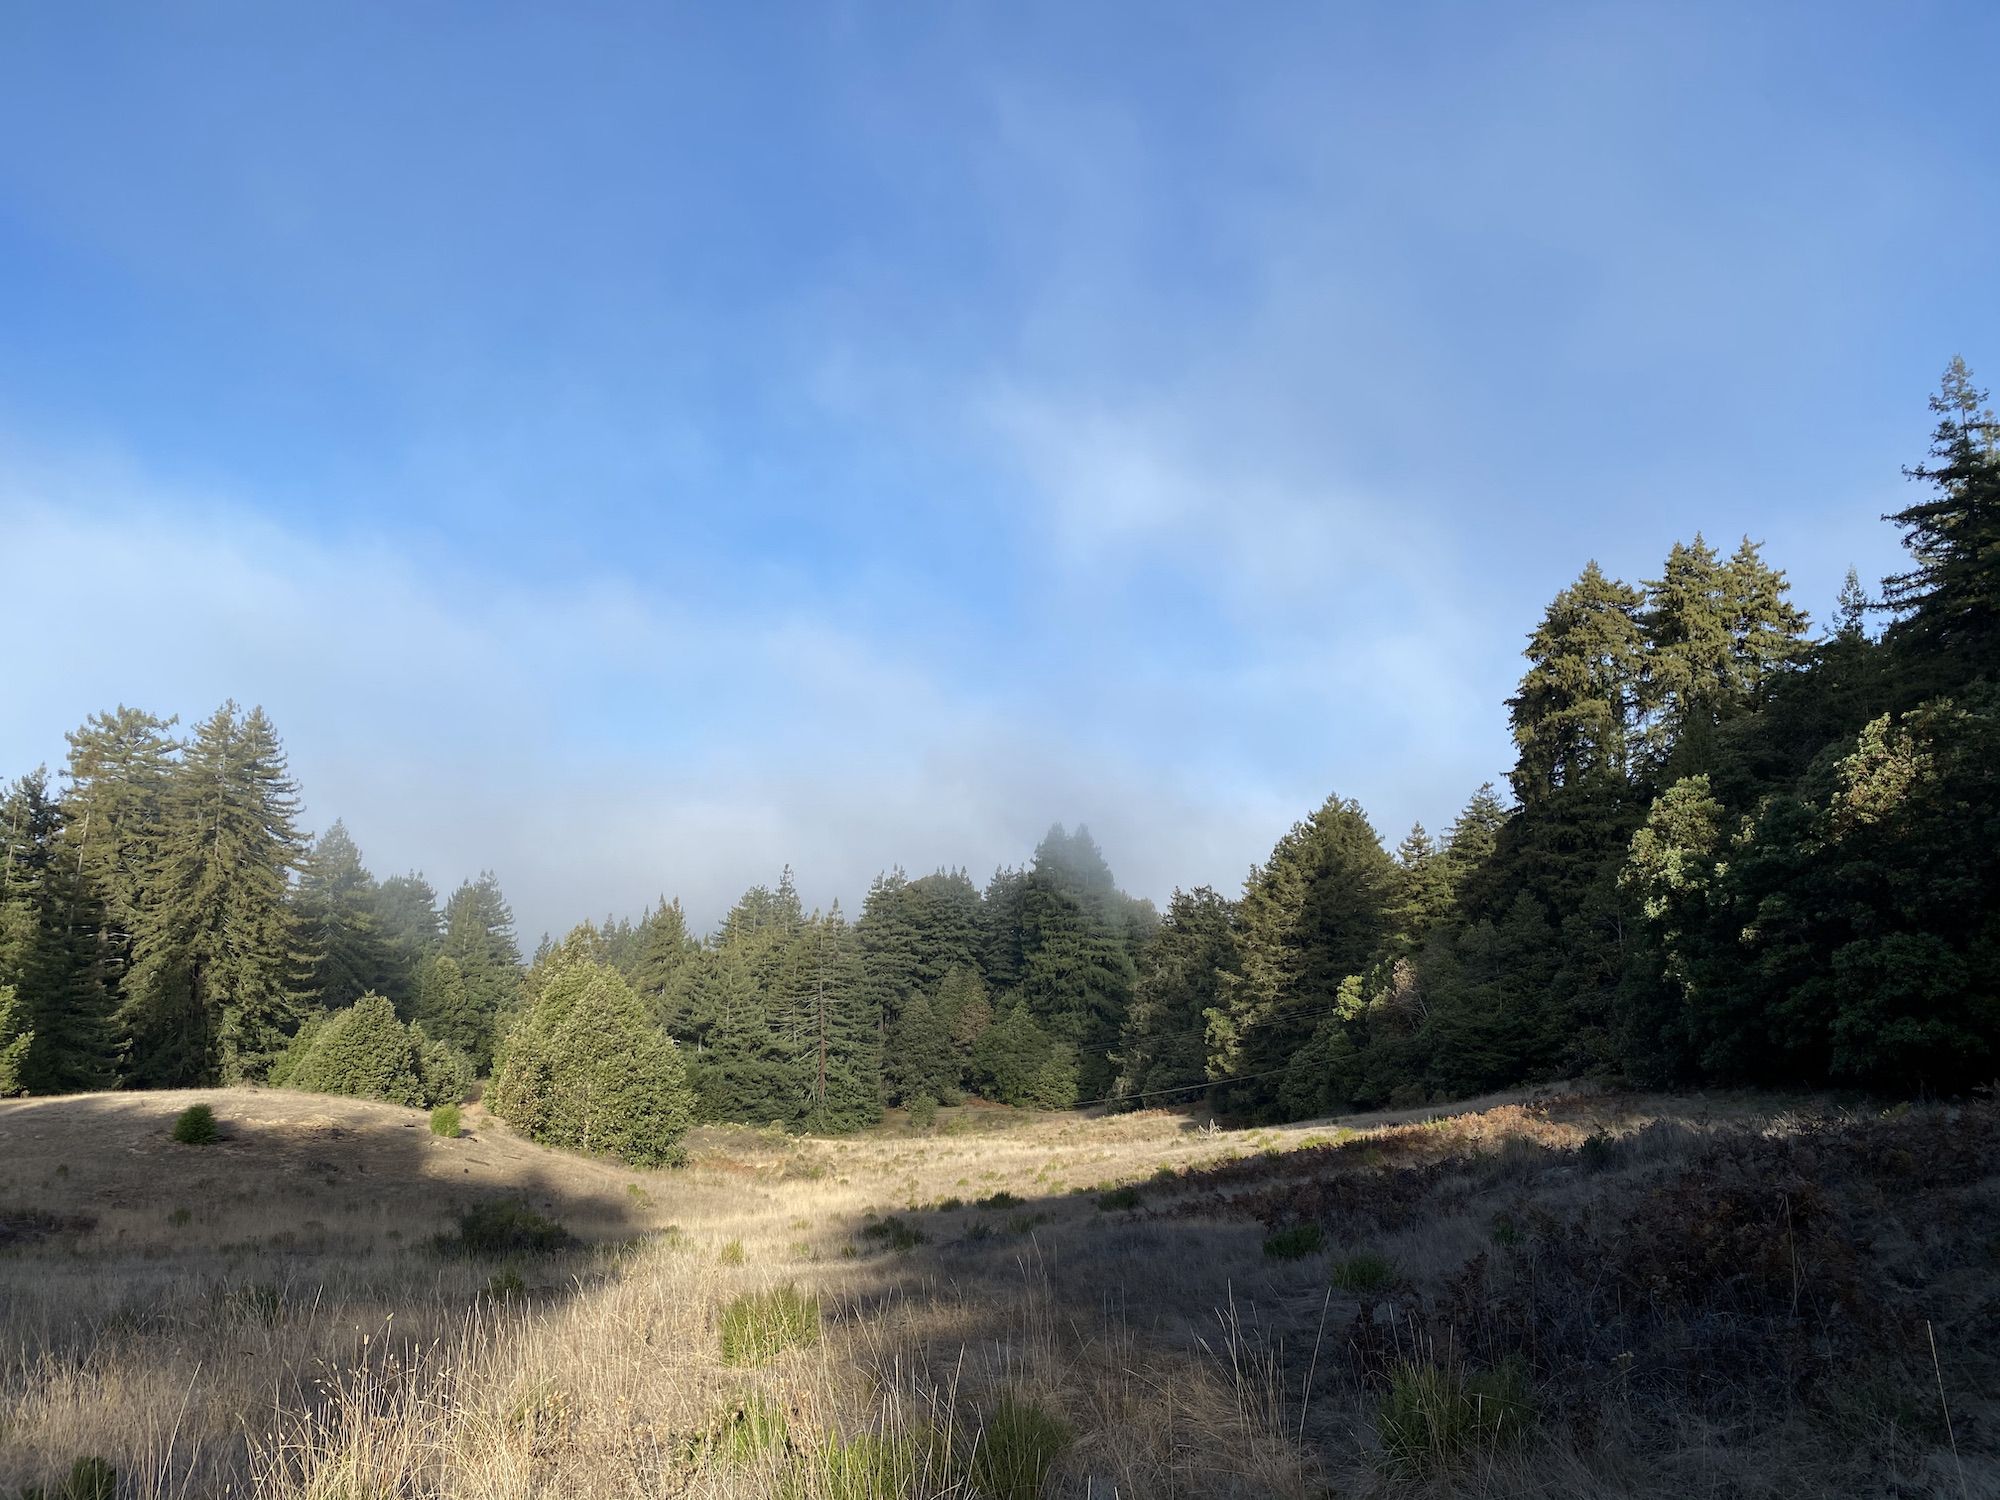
[1688, 669]
[213, 991]
[1187, 971]
[1311, 916]
[479, 938]
[738, 1069]
[1947, 604]
[406, 919]
[1078, 966]
[829, 1031]
[664, 963]
[1422, 897]
[119, 770]
[338, 905]
[15, 1040]
[921, 1064]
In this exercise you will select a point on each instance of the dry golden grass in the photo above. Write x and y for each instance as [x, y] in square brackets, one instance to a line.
[268, 1316]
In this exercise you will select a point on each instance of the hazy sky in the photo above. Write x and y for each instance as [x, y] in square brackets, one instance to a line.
[634, 447]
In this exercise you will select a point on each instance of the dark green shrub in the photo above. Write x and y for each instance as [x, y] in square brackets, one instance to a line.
[1364, 1271]
[195, 1126]
[444, 1121]
[505, 1286]
[895, 1232]
[759, 1325]
[1118, 1199]
[366, 1052]
[1017, 1447]
[1295, 1242]
[586, 1069]
[505, 1226]
[1001, 1199]
[1436, 1417]
[1597, 1152]
[923, 1111]
[88, 1479]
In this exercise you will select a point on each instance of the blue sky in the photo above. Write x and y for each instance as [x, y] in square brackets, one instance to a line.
[634, 447]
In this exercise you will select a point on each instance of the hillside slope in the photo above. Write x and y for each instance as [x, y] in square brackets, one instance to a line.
[1577, 1294]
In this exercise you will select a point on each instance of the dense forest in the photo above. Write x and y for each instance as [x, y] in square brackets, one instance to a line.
[1737, 850]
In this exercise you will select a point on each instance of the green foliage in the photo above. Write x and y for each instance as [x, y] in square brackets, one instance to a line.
[1365, 1271]
[479, 941]
[894, 1232]
[195, 1126]
[754, 1428]
[1438, 1418]
[366, 1053]
[1121, 1199]
[212, 994]
[757, 1326]
[1186, 973]
[1016, 1062]
[1019, 1444]
[1294, 1242]
[445, 1122]
[866, 1466]
[1311, 915]
[15, 1040]
[505, 1226]
[88, 1479]
[585, 1070]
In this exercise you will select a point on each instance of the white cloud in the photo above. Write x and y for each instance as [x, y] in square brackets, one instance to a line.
[594, 746]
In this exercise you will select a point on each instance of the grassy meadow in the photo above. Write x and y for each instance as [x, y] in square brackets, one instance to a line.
[1573, 1294]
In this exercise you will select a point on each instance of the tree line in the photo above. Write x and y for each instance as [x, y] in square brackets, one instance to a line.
[1736, 850]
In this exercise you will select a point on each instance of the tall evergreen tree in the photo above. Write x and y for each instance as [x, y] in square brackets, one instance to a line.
[479, 938]
[1078, 966]
[1311, 916]
[1163, 1058]
[664, 964]
[1947, 603]
[339, 915]
[51, 952]
[406, 918]
[213, 992]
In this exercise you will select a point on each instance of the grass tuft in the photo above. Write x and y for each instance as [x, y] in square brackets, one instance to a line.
[1295, 1242]
[1437, 1418]
[1364, 1271]
[445, 1121]
[757, 1326]
[504, 1226]
[1017, 1448]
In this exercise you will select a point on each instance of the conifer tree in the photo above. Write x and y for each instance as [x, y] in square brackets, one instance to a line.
[921, 1064]
[585, 1070]
[213, 992]
[1078, 966]
[479, 938]
[406, 920]
[1311, 916]
[1947, 603]
[829, 1031]
[664, 963]
[339, 905]
[1185, 975]
[119, 770]
[15, 1040]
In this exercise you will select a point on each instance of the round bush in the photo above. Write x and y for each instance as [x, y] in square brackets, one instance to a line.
[196, 1126]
